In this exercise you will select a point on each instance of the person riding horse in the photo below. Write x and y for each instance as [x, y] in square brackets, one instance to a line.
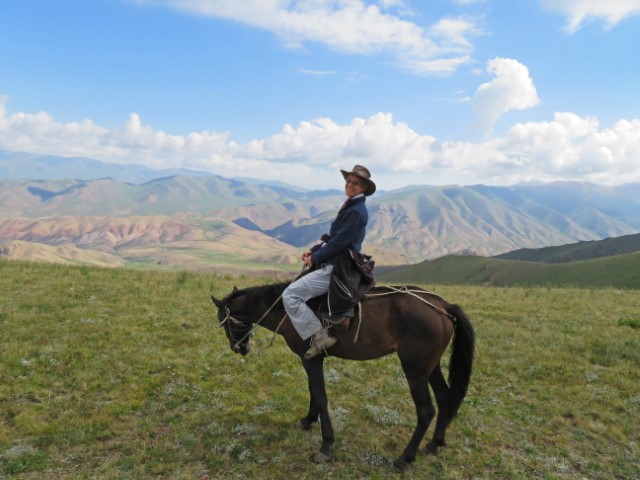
[347, 232]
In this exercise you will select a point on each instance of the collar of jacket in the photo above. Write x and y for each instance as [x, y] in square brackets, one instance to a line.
[353, 201]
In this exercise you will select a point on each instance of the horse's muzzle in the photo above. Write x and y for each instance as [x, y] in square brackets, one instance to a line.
[241, 349]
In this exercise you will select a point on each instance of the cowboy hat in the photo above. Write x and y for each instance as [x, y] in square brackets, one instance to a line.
[362, 173]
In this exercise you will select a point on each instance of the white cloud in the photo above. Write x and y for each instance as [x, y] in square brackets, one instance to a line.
[354, 27]
[511, 89]
[579, 11]
[317, 73]
[568, 147]
[574, 148]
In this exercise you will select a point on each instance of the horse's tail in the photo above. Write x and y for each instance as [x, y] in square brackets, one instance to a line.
[461, 361]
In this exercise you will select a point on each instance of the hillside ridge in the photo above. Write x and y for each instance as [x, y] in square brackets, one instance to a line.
[613, 262]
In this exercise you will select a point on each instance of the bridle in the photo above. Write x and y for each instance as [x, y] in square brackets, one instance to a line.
[244, 329]
[233, 326]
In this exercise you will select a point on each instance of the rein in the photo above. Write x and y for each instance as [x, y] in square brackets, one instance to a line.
[228, 316]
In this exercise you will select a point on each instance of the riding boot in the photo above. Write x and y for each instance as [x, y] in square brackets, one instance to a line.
[320, 342]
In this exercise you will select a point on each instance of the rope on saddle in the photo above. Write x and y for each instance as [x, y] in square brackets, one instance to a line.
[414, 293]
[404, 289]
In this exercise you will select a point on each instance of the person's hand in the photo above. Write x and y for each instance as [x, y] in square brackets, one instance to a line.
[306, 258]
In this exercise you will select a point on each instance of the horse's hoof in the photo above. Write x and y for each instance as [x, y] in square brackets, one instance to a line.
[302, 425]
[320, 457]
[432, 447]
[400, 464]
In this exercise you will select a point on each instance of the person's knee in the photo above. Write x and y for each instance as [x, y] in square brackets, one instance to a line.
[290, 299]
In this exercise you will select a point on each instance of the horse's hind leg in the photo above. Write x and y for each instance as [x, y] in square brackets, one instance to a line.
[425, 412]
[441, 392]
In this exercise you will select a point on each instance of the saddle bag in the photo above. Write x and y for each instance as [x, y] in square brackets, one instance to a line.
[352, 278]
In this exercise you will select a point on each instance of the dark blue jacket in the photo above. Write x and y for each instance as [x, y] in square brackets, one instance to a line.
[347, 231]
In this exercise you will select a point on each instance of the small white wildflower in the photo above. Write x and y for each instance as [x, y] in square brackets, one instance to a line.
[374, 459]
[18, 450]
[243, 429]
[384, 415]
[332, 375]
[591, 376]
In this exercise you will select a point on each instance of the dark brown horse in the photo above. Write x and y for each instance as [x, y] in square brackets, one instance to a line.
[416, 324]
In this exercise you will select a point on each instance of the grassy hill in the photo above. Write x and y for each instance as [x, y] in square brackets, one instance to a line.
[621, 271]
[611, 262]
[577, 251]
[115, 373]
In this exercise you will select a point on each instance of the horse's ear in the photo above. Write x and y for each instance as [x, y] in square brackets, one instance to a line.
[217, 303]
[235, 289]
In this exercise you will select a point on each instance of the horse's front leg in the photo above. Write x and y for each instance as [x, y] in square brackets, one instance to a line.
[318, 406]
[305, 422]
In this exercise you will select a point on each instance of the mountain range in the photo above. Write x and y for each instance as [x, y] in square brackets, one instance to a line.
[197, 220]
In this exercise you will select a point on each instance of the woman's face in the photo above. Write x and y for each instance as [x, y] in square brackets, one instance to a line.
[354, 186]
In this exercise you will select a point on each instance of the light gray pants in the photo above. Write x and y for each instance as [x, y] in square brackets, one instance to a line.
[295, 296]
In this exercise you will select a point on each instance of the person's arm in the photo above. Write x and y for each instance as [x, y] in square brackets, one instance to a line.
[346, 235]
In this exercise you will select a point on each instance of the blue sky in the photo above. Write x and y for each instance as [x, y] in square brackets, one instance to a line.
[421, 92]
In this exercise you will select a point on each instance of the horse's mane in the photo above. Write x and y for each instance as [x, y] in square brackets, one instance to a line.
[268, 292]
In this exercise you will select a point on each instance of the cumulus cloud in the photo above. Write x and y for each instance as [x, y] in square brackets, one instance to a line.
[353, 27]
[568, 147]
[574, 147]
[579, 11]
[511, 89]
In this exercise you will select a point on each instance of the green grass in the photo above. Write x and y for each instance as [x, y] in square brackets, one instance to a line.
[121, 374]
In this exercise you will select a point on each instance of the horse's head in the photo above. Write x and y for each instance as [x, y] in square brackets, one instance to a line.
[235, 320]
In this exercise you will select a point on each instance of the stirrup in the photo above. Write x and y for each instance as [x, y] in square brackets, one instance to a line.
[340, 321]
[320, 342]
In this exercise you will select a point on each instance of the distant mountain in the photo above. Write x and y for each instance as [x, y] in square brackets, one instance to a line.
[406, 226]
[413, 224]
[163, 196]
[602, 210]
[21, 165]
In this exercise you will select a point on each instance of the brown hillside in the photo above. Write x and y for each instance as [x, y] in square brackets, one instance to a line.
[191, 242]
[64, 254]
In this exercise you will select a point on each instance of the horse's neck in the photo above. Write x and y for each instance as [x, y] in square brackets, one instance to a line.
[274, 318]
[271, 316]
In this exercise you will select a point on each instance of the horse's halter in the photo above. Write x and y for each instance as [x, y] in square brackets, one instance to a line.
[232, 325]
